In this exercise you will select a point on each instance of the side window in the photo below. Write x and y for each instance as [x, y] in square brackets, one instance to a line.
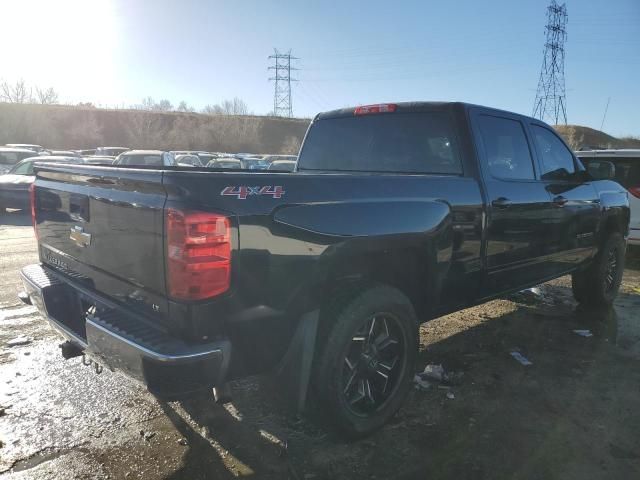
[506, 148]
[557, 160]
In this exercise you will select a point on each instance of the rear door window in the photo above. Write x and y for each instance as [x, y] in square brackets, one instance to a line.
[556, 158]
[506, 148]
[415, 142]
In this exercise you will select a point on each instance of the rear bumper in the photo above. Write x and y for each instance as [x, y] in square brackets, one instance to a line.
[123, 340]
[634, 236]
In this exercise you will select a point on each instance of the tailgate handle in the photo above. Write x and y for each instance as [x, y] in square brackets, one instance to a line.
[79, 208]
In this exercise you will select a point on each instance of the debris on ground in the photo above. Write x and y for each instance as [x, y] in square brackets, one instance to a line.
[420, 383]
[450, 395]
[433, 372]
[521, 358]
[21, 340]
[183, 442]
[583, 333]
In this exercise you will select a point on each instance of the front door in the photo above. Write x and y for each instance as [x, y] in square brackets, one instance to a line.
[576, 205]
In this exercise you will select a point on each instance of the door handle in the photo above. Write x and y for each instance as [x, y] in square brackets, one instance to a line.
[501, 202]
[559, 201]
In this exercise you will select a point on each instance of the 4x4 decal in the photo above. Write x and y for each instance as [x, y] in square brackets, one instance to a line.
[243, 191]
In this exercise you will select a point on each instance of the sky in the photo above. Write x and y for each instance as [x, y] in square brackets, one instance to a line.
[116, 52]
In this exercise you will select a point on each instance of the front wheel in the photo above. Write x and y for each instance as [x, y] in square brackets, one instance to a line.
[598, 285]
[365, 368]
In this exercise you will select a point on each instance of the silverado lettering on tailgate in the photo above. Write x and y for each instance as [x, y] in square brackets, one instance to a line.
[243, 191]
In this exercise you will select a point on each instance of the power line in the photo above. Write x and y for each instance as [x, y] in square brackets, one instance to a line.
[551, 100]
[282, 105]
[606, 109]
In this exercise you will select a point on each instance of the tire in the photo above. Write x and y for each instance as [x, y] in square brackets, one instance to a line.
[598, 285]
[365, 337]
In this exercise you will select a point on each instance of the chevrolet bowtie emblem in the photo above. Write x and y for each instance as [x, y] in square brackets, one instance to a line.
[79, 237]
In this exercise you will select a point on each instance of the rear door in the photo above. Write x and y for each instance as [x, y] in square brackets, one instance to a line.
[104, 228]
[576, 204]
[519, 206]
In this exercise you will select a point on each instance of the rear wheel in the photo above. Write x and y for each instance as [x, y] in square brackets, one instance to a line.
[364, 371]
[598, 285]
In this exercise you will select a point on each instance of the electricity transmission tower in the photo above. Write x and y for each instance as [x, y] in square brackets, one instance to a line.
[551, 100]
[282, 105]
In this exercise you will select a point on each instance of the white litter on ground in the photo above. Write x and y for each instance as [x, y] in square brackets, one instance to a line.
[583, 333]
[14, 342]
[433, 372]
[521, 358]
[17, 312]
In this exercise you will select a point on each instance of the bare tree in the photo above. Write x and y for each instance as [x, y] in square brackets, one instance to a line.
[183, 107]
[237, 106]
[46, 97]
[147, 104]
[163, 105]
[16, 93]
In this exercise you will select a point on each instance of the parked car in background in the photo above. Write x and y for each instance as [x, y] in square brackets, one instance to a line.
[14, 185]
[88, 151]
[282, 165]
[9, 156]
[110, 151]
[252, 162]
[28, 146]
[273, 158]
[64, 153]
[627, 174]
[154, 158]
[99, 160]
[225, 162]
[189, 160]
[206, 157]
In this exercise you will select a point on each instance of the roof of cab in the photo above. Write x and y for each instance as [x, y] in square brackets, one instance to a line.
[417, 107]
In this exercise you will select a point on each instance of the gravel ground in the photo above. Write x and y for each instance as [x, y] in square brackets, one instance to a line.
[572, 414]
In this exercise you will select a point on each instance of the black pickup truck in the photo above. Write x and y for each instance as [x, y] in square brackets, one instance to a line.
[186, 278]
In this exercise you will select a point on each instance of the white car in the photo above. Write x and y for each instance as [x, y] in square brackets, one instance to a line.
[627, 163]
[146, 158]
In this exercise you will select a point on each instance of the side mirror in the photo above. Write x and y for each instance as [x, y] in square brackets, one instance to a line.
[601, 170]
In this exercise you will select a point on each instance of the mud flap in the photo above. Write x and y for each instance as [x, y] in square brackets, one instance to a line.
[294, 371]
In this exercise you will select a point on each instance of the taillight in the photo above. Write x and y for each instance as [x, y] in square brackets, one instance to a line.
[378, 108]
[198, 254]
[635, 191]
[32, 197]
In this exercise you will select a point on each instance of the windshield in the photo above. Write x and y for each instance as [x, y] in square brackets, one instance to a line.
[392, 142]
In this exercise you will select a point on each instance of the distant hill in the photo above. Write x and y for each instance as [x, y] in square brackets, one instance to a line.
[70, 127]
[585, 137]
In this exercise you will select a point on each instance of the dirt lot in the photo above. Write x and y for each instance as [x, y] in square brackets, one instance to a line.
[572, 414]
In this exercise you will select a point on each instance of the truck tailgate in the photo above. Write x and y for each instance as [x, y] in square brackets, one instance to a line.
[104, 228]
